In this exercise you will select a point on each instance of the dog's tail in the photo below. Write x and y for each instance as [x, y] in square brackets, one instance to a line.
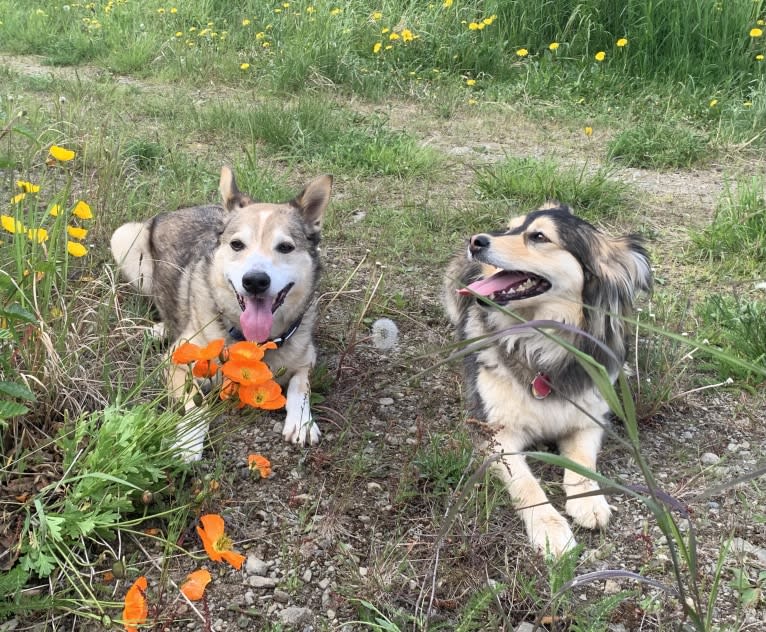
[130, 248]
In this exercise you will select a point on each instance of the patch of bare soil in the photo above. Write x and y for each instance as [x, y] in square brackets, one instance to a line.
[359, 518]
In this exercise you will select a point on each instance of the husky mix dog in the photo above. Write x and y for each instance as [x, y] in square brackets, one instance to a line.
[244, 270]
[546, 265]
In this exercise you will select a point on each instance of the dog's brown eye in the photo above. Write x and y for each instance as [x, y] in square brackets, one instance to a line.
[236, 245]
[285, 247]
[538, 237]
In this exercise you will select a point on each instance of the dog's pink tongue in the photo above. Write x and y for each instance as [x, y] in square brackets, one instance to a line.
[256, 320]
[496, 283]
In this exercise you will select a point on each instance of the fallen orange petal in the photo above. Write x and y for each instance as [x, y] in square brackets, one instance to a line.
[194, 586]
[136, 609]
[260, 463]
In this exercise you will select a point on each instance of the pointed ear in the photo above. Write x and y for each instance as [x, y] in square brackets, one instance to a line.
[230, 194]
[312, 202]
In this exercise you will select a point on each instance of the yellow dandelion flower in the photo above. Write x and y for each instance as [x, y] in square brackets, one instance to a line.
[588, 131]
[245, 22]
[713, 103]
[553, 46]
[11, 224]
[62, 154]
[39, 235]
[76, 233]
[756, 32]
[376, 48]
[76, 249]
[82, 210]
[522, 52]
[600, 56]
[18, 197]
[622, 42]
[470, 82]
[27, 187]
[244, 66]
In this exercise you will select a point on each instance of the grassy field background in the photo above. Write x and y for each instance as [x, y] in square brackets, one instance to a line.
[437, 120]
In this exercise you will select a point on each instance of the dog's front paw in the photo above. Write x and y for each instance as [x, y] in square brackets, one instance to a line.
[302, 431]
[550, 534]
[591, 512]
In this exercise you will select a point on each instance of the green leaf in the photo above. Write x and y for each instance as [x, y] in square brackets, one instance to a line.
[55, 526]
[16, 389]
[17, 312]
[11, 409]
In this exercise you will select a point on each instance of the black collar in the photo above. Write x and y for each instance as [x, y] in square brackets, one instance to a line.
[237, 335]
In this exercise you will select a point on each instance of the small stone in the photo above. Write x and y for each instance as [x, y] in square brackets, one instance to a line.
[709, 458]
[611, 587]
[280, 596]
[255, 566]
[256, 581]
[293, 616]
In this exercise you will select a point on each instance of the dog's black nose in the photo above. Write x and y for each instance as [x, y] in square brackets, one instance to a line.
[478, 242]
[256, 282]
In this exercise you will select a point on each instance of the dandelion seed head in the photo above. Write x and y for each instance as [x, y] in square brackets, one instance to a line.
[385, 334]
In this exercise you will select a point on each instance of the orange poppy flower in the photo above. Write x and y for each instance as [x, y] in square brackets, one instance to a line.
[265, 395]
[194, 586]
[217, 544]
[260, 463]
[189, 352]
[247, 352]
[136, 610]
[246, 374]
[205, 368]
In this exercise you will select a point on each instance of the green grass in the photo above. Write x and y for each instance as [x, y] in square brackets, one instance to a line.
[529, 183]
[659, 145]
[739, 226]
